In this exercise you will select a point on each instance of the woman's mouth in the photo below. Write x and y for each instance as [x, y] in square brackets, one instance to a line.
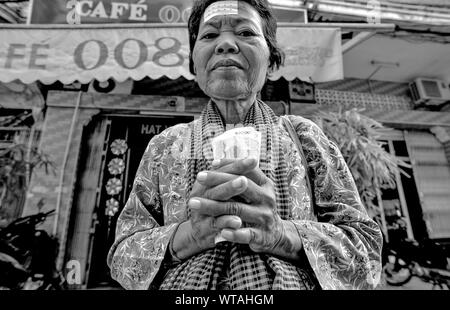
[226, 64]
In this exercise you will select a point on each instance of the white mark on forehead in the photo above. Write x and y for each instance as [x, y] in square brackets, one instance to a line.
[221, 8]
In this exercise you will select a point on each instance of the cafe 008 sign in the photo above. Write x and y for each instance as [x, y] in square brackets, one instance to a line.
[67, 53]
[83, 54]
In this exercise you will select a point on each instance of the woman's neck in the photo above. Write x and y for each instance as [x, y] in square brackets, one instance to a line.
[234, 111]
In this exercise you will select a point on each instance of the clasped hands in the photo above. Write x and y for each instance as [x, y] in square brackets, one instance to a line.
[236, 201]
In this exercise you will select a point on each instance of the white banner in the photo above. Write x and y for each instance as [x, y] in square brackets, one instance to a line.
[312, 54]
[50, 54]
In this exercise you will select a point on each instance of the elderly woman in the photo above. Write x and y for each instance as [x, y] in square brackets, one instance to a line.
[275, 238]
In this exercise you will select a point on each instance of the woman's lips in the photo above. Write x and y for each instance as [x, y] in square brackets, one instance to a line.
[226, 64]
[226, 68]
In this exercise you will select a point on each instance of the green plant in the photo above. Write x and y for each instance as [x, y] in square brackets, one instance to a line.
[358, 138]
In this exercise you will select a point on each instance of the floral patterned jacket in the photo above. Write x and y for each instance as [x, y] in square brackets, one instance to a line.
[341, 243]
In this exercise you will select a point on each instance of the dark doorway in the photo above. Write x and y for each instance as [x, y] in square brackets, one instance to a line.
[125, 142]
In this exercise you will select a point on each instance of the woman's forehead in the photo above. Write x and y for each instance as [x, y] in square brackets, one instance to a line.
[233, 12]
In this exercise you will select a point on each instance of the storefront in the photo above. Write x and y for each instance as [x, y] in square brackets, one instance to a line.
[112, 130]
[98, 123]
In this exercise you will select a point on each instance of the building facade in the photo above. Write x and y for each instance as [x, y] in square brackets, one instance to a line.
[97, 139]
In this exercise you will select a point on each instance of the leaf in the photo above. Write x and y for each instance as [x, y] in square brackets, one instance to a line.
[357, 136]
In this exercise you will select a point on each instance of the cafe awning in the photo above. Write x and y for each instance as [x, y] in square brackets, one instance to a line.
[67, 53]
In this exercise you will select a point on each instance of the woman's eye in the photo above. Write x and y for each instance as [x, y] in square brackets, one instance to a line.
[210, 35]
[246, 33]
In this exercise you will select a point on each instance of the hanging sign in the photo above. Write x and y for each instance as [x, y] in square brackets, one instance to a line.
[128, 11]
[82, 54]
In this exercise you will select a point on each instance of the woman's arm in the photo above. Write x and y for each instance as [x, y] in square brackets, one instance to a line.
[147, 240]
[344, 245]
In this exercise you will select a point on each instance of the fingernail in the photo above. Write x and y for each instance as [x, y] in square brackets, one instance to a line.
[236, 223]
[194, 204]
[227, 234]
[215, 163]
[249, 161]
[237, 182]
[202, 176]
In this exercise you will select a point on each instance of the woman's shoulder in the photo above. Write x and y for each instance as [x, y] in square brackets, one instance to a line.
[159, 146]
[174, 132]
[310, 133]
[304, 125]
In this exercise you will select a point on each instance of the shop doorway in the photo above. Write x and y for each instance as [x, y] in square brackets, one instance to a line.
[126, 139]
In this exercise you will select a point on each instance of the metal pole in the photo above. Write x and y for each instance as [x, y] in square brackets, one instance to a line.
[63, 167]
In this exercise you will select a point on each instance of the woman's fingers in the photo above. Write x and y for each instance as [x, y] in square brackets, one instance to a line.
[256, 194]
[247, 167]
[250, 214]
[251, 236]
[244, 188]
[207, 227]
[225, 182]
[213, 178]
[227, 221]
[227, 190]
[214, 224]
[216, 208]
[223, 186]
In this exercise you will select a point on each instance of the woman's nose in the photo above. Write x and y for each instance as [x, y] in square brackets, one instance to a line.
[227, 44]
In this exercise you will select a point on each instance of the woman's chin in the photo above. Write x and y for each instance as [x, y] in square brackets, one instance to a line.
[227, 93]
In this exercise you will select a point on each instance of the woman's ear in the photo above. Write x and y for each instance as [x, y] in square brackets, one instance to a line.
[269, 71]
[269, 66]
[192, 66]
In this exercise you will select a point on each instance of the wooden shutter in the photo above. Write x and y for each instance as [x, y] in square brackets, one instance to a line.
[86, 192]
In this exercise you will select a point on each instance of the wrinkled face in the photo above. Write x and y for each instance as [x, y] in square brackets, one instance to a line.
[231, 56]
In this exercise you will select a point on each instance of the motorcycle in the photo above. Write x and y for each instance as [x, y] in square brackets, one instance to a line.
[426, 260]
[28, 255]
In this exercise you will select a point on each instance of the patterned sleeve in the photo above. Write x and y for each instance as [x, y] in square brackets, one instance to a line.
[343, 246]
[141, 239]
